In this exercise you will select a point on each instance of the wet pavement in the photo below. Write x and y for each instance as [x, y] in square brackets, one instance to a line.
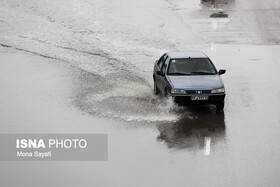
[97, 78]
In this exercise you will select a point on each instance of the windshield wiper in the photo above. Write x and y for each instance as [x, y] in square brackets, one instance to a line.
[201, 73]
[177, 73]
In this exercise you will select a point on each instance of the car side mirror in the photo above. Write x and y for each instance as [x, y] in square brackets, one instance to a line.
[160, 73]
[222, 71]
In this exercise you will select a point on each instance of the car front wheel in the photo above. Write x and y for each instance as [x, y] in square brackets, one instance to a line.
[220, 106]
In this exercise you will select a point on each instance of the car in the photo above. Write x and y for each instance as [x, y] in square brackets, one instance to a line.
[189, 78]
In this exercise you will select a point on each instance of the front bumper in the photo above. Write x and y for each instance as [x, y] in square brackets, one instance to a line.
[212, 99]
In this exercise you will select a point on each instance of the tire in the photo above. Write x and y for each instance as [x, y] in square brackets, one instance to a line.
[165, 93]
[156, 91]
[220, 106]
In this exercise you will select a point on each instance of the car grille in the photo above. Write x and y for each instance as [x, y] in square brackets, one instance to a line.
[198, 91]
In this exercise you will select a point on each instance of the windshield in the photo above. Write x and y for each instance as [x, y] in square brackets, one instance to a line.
[191, 66]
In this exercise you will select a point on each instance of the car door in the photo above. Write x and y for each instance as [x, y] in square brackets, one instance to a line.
[163, 83]
[158, 67]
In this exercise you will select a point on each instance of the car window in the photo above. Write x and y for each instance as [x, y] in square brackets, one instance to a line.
[165, 65]
[161, 60]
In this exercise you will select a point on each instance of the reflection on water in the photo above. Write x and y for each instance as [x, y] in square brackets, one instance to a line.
[191, 130]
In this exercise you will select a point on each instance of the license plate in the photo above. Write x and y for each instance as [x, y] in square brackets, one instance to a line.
[199, 98]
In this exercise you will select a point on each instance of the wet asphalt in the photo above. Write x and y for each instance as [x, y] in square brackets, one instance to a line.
[151, 141]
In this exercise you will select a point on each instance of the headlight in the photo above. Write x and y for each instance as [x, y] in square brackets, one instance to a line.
[178, 91]
[219, 90]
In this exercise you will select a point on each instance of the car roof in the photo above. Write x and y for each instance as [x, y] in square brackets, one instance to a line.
[190, 54]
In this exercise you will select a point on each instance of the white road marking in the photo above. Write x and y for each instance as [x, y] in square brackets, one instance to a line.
[207, 142]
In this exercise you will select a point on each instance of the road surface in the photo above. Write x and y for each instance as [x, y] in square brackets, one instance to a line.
[86, 67]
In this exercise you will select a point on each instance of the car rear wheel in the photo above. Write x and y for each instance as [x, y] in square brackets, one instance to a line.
[156, 91]
[220, 106]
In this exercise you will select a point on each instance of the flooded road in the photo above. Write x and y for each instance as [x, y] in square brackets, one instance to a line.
[86, 67]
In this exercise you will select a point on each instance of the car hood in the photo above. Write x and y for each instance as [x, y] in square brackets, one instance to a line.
[196, 82]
